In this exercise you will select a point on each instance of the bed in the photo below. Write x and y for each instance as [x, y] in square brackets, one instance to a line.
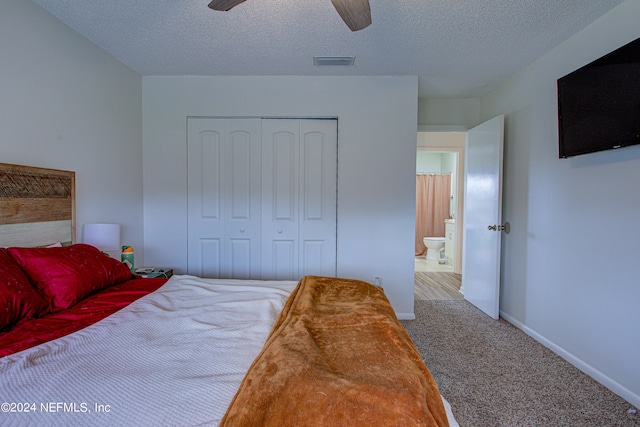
[83, 341]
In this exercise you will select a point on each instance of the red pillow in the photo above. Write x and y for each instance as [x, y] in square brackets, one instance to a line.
[67, 274]
[18, 298]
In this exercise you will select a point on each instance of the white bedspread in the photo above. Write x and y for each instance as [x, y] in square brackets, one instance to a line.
[174, 357]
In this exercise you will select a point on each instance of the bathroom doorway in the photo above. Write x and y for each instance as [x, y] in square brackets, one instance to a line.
[442, 153]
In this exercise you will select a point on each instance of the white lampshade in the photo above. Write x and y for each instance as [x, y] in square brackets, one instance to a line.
[103, 236]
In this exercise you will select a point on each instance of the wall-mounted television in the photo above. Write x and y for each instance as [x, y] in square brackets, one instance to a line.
[599, 104]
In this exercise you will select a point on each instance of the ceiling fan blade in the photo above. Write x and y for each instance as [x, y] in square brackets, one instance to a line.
[224, 5]
[355, 13]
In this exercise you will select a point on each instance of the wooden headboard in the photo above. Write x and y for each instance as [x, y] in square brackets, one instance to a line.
[37, 206]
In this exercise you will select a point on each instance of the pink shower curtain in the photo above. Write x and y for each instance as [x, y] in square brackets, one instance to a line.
[433, 193]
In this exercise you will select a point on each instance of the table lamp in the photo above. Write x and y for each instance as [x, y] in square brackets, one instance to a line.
[105, 237]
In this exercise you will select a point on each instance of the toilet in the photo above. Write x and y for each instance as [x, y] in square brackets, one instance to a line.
[434, 246]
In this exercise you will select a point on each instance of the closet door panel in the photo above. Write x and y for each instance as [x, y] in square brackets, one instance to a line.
[313, 161]
[205, 226]
[223, 177]
[240, 258]
[313, 258]
[283, 256]
[239, 183]
[317, 227]
[285, 174]
[242, 212]
[210, 179]
[280, 189]
[210, 254]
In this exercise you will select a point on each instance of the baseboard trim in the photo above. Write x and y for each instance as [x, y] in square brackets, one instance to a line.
[406, 316]
[609, 383]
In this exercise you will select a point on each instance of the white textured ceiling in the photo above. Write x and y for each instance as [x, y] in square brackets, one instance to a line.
[458, 48]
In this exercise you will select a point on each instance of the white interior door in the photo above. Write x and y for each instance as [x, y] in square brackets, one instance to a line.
[483, 216]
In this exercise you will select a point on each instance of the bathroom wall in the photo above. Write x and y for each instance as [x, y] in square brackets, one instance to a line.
[428, 162]
[440, 163]
[449, 161]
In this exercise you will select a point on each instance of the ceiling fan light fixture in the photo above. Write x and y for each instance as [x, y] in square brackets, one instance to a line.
[334, 60]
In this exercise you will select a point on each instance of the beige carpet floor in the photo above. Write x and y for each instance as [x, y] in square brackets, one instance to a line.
[495, 375]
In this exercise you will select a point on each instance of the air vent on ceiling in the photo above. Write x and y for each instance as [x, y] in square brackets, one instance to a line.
[334, 60]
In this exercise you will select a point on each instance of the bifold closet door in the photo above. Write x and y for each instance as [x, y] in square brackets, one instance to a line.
[261, 198]
[299, 181]
[224, 185]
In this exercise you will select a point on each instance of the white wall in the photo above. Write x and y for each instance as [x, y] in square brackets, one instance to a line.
[445, 114]
[449, 163]
[376, 162]
[428, 162]
[570, 265]
[65, 104]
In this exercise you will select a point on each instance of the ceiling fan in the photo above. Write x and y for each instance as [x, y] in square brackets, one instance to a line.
[355, 13]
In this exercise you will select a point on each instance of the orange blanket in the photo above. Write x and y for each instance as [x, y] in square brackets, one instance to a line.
[337, 356]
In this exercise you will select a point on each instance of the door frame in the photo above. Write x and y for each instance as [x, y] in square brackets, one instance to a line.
[457, 267]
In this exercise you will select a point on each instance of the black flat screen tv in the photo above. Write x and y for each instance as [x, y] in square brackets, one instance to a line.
[599, 104]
